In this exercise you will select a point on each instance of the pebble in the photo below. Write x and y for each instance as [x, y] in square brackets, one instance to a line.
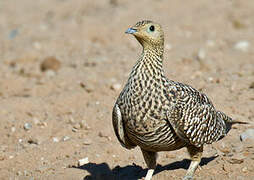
[101, 134]
[248, 134]
[55, 139]
[84, 125]
[13, 129]
[76, 126]
[236, 159]
[251, 85]
[242, 46]
[33, 140]
[36, 120]
[66, 138]
[19, 173]
[168, 47]
[83, 161]
[244, 169]
[27, 126]
[50, 63]
[201, 54]
[87, 87]
[50, 73]
[2, 158]
[74, 130]
[71, 120]
[87, 142]
[116, 87]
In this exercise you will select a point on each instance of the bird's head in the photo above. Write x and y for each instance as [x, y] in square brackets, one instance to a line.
[148, 33]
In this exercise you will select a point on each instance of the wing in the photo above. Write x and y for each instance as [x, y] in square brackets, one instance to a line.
[193, 116]
[119, 128]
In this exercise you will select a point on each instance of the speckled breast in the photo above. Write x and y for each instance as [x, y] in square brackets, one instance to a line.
[146, 124]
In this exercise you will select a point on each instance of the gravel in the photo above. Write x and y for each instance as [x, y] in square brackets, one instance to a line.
[248, 134]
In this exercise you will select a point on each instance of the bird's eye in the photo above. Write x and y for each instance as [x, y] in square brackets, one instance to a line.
[151, 28]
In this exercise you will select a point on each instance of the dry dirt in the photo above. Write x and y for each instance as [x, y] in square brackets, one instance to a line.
[52, 118]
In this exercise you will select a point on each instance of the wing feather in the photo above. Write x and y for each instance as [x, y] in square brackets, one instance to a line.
[119, 128]
[193, 116]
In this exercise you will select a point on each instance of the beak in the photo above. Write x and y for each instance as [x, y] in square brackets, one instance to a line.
[130, 31]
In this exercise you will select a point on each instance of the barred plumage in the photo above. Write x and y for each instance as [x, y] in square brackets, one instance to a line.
[158, 114]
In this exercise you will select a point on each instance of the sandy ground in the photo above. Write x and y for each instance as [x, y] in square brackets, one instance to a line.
[51, 119]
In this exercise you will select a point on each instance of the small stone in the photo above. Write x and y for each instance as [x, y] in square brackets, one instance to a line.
[236, 160]
[71, 120]
[201, 54]
[19, 173]
[55, 139]
[238, 24]
[2, 157]
[76, 126]
[25, 173]
[210, 79]
[114, 2]
[88, 88]
[224, 149]
[116, 87]
[13, 129]
[83, 161]
[244, 169]
[251, 85]
[87, 142]
[27, 126]
[242, 46]
[33, 140]
[66, 138]
[50, 63]
[74, 130]
[105, 136]
[84, 125]
[101, 134]
[50, 73]
[248, 134]
[36, 120]
[168, 47]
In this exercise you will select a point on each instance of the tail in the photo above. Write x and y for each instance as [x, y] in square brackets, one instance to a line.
[228, 122]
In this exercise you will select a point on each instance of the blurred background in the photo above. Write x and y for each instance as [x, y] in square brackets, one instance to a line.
[63, 64]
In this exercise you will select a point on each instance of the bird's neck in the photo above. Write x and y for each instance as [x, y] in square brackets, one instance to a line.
[150, 63]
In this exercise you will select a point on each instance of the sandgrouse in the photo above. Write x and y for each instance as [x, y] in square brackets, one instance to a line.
[158, 114]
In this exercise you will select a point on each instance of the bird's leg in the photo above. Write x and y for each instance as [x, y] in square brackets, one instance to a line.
[195, 154]
[150, 159]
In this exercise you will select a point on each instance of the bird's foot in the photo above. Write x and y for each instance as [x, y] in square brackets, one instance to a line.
[187, 177]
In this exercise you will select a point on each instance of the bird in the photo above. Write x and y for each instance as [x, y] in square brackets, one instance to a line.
[158, 114]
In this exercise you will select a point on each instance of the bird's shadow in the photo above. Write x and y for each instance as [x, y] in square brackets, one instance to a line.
[132, 172]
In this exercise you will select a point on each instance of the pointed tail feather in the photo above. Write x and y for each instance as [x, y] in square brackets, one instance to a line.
[228, 122]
